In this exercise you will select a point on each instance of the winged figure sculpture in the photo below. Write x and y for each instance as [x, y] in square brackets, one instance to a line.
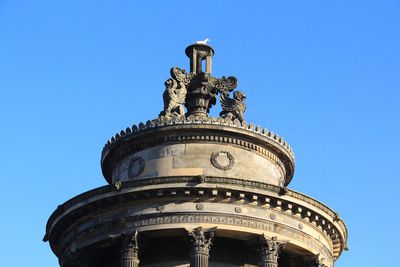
[175, 93]
[233, 108]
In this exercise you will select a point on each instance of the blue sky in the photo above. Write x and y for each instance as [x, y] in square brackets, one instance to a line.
[324, 75]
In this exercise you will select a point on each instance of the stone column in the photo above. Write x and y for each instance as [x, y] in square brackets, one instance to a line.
[270, 249]
[201, 244]
[208, 64]
[130, 250]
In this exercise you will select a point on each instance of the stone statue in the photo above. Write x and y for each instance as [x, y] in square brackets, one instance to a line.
[175, 94]
[197, 90]
[233, 108]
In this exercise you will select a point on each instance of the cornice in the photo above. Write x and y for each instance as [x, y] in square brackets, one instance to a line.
[319, 216]
[158, 123]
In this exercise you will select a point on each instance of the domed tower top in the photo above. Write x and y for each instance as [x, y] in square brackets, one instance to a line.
[185, 186]
[185, 141]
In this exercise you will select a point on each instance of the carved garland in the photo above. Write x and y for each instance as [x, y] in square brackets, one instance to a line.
[216, 164]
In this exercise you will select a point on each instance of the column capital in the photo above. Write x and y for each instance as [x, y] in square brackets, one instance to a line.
[201, 241]
[130, 250]
[270, 249]
[201, 244]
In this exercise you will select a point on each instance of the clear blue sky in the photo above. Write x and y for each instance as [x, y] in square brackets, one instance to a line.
[325, 75]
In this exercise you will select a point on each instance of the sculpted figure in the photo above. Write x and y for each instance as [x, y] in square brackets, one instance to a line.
[175, 93]
[233, 108]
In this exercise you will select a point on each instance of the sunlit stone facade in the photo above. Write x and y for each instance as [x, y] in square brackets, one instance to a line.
[190, 189]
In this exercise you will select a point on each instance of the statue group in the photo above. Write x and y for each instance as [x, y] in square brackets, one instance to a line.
[202, 90]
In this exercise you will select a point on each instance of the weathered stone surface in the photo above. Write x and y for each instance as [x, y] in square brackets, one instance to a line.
[197, 159]
[191, 190]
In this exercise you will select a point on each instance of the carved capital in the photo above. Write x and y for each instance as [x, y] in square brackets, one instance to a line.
[225, 85]
[201, 241]
[270, 249]
[130, 250]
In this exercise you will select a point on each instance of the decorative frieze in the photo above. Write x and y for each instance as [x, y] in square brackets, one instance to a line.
[184, 218]
[212, 138]
[233, 196]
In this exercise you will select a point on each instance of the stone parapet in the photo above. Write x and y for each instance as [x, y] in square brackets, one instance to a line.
[210, 147]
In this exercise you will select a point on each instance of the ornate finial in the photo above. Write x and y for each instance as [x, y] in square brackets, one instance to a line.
[197, 90]
[197, 53]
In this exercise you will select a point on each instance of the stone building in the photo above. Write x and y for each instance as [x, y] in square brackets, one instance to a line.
[190, 189]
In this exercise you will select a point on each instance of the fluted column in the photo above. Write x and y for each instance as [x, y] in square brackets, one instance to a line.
[130, 250]
[270, 249]
[201, 244]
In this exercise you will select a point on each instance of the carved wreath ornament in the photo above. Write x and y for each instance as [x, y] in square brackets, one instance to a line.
[217, 160]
